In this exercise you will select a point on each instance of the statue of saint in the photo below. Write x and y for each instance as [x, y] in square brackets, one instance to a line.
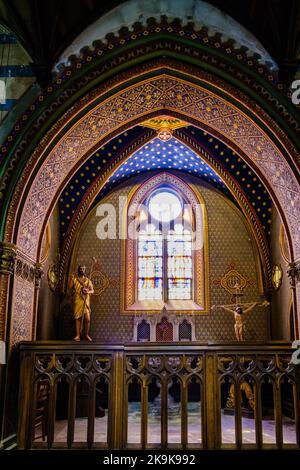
[82, 288]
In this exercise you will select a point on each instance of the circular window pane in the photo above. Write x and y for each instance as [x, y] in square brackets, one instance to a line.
[165, 206]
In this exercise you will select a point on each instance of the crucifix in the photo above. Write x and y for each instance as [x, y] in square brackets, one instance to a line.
[238, 309]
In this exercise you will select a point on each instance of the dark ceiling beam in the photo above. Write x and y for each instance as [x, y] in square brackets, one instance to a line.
[43, 64]
[38, 30]
[289, 62]
[54, 29]
[92, 10]
[253, 7]
[46, 27]
[12, 18]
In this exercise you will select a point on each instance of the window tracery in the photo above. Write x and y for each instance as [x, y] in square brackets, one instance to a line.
[164, 263]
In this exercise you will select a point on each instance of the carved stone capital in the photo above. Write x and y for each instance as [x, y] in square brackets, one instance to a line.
[293, 273]
[38, 273]
[8, 253]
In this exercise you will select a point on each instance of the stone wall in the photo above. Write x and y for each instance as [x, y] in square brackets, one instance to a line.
[281, 298]
[48, 305]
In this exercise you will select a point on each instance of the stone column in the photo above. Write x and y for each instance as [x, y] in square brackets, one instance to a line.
[38, 273]
[8, 252]
[7, 265]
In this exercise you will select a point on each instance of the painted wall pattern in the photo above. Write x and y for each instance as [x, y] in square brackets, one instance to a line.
[109, 325]
[22, 311]
[175, 95]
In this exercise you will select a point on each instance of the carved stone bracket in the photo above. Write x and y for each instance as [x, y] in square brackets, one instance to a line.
[8, 253]
[28, 270]
[38, 273]
[293, 273]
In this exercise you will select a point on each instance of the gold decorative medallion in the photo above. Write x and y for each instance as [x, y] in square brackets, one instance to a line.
[52, 276]
[100, 282]
[277, 274]
[232, 279]
[164, 126]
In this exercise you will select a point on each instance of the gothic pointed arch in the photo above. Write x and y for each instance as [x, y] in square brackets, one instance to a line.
[206, 100]
[182, 240]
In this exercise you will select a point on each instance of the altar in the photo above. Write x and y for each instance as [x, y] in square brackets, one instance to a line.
[164, 327]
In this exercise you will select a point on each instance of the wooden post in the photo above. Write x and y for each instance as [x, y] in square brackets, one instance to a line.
[211, 411]
[164, 412]
[116, 433]
[238, 414]
[296, 389]
[278, 413]
[184, 413]
[91, 413]
[258, 415]
[71, 412]
[144, 414]
[25, 401]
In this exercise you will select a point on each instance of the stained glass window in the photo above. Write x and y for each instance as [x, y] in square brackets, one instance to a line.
[180, 269]
[150, 264]
[165, 261]
[164, 205]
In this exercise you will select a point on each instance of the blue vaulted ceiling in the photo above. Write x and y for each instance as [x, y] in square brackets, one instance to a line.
[156, 155]
[171, 155]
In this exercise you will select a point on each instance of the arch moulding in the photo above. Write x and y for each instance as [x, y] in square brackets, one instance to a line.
[200, 252]
[208, 103]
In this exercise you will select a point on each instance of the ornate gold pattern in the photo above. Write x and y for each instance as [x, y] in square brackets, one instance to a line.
[26, 284]
[267, 158]
[100, 281]
[277, 276]
[8, 253]
[239, 196]
[109, 324]
[22, 313]
[46, 243]
[53, 276]
[284, 248]
[231, 279]
[164, 125]
[196, 102]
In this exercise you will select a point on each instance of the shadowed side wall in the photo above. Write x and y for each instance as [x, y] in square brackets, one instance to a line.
[281, 298]
[48, 305]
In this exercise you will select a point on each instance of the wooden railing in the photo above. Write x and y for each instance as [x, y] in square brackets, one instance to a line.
[176, 395]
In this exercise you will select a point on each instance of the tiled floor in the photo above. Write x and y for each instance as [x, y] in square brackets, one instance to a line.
[248, 430]
[174, 434]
